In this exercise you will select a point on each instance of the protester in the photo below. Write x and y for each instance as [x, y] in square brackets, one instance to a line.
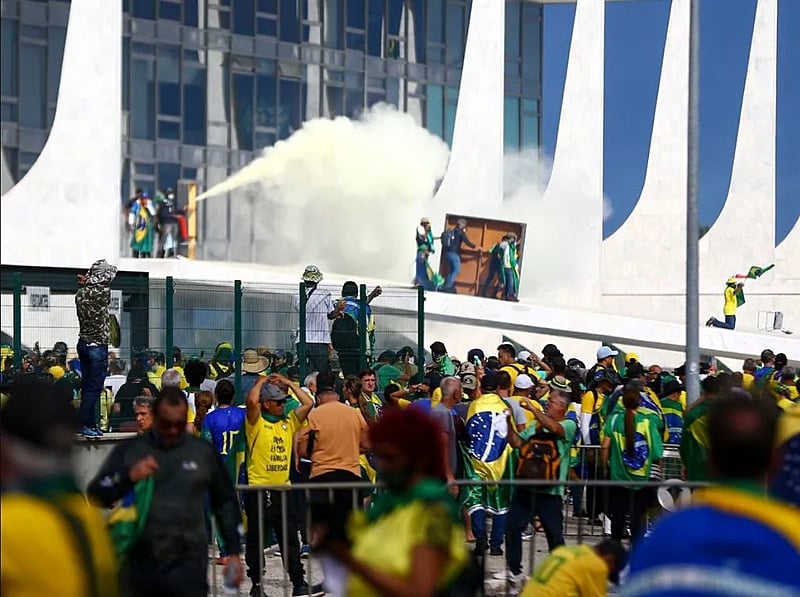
[345, 332]
[91, 301]
[269, 434]
[734, 539]
[694, 439]
[551, 434]
[141, 224]
[452, 240]
[169, 556]
[580, 570]
[413, 525]
[319, 311]
[143, 411]
[45, 518]
[732, 288]
[631, 446]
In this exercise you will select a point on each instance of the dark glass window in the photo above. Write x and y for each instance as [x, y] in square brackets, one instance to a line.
[243, 16]
[455, 34]
[513, 22]
[267, 99]
[143, 105]
[55, 56]
[267, 27]
[417, 29]
[355, 41]
[190, 13]
[291, 107]
[169, 10]
[32, 92]
[531, 41]
[334, 20]
[144, 9]
[194, 106]
[434, 120]
[355, 14]
[126, 71]
[168, 175]
[268, 6]
[511, 124]
[335, 98]
[530, 123]
[290, 21]
[354, 102]
[375, 28]
[169, 90]
[169, 130]
[243, 109]
[435, 21]
[393, 92]
[451, 103]
[9, 57]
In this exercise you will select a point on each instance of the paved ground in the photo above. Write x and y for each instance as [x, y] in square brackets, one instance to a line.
[534, 551]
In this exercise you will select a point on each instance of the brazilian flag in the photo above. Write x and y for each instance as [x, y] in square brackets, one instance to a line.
[143, 223]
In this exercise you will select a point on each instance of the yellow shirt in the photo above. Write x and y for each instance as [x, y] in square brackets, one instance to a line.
[35, 534]
[270, 446]
[529, 418]
[730, 301]
[514, 370]
[748, 382]
[154, 376]
[569, 571]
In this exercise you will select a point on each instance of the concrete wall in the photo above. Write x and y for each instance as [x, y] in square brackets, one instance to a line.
[90, 454]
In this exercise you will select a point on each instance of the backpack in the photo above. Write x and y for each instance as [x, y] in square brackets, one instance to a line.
[449, 239]
[539, 458]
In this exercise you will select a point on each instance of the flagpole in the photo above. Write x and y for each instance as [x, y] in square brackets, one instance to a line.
[692, 225]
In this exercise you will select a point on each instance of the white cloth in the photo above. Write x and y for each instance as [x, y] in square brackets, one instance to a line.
[320, 303]
[115, 382]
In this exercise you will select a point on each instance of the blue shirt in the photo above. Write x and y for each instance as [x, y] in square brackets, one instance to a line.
[221, 426]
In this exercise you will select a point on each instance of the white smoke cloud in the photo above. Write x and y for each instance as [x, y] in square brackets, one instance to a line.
[344, 194]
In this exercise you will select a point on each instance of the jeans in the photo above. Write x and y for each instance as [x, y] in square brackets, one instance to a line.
[270, 518]
[186, 578]
[635, 502]
[454, 260]
[478, 519]
[332, 508]
[489, 286]
[94, 364]
[510, 284]
[525, 504]
[728, 324]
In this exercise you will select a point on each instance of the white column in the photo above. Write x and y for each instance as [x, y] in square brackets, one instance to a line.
[70, 198]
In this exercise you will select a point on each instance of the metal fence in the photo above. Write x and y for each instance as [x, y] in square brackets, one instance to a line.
[38, 310]
[274, 576]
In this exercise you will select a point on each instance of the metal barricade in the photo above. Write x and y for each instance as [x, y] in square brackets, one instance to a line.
[289, 499]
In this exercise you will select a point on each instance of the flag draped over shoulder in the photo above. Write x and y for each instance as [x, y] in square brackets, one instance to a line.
[143, 222]
[128, 519]
[487, 456]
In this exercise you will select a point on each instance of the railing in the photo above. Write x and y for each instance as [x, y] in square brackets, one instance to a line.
[663, 496]
[194, 316]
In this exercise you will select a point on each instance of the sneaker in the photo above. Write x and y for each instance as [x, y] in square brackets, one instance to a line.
[496, 551]
[305, 551]
[98, 431]
[88, 432]
[268, 551]
[305, 591]
[507, 575]
[710, 321]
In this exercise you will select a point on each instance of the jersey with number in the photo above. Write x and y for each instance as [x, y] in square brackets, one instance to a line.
[221, 426]
[570, 571]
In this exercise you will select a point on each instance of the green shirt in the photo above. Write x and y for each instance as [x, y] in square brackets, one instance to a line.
[564, 445]
[647, 448]
[386, 374]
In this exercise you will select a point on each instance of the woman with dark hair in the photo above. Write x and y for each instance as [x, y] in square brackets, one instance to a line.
[631, 445]
[410, 542]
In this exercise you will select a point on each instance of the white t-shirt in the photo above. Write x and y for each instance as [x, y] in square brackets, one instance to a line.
[115, 382]
[318, 326]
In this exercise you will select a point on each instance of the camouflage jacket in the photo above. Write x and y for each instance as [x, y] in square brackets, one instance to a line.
[92, 300]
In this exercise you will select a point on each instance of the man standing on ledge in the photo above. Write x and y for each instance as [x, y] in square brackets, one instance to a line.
[732, 290]
[319, 311]
[451, 243]
[91, 303]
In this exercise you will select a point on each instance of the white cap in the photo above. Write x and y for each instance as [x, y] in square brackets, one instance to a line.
[604, 352]
[524, 382]
[524, 355]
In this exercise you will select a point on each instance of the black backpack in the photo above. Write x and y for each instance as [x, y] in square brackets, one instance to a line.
[539, 458]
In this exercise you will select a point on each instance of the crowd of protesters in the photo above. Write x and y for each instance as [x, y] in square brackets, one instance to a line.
[472, 454]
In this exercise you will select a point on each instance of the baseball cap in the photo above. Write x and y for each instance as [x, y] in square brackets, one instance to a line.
[272, 393]
[524, 382]
[604, 352]
[524, 355]
[469, 381]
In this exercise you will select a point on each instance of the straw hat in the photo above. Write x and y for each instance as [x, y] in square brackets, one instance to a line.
[252, 362]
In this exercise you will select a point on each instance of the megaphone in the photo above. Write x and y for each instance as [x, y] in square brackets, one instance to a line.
[671, 496]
